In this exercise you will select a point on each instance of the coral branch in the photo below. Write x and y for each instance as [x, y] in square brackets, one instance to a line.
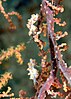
[4, 79]
[6, 94]
[46, 87]
[7, 16]
[13, 51]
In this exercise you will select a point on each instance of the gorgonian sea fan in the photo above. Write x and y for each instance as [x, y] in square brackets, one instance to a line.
[53, 44]
[48, 81]
[56, 56]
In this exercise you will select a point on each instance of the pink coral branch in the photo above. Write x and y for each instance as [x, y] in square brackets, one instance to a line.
[56, 56]
[46, 86]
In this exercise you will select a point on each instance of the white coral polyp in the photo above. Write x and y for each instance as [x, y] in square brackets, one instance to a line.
[32, 28]
[34, 17]
[32, 71]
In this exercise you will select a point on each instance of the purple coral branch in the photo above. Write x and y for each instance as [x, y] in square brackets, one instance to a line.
[56, 56]
[46, 86]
